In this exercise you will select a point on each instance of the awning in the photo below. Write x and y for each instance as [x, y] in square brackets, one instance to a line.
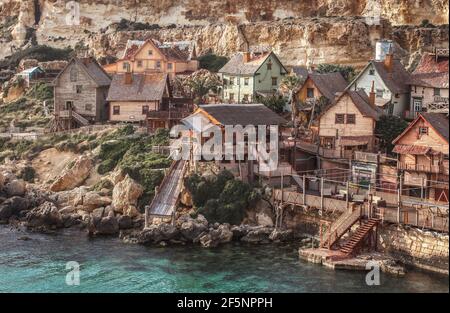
[411, 149]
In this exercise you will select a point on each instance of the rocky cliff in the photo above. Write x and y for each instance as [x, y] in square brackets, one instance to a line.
[316, 30]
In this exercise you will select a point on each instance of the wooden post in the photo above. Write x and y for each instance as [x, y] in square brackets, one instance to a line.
[422, 194]
[282, 188]
[321, 196]
[347, 187]
[304, 189]
[398, 205]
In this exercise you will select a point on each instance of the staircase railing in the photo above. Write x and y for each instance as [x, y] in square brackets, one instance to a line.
[340, 226]
[79, 118]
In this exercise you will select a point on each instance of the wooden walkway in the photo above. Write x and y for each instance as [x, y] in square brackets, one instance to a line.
[165, 201]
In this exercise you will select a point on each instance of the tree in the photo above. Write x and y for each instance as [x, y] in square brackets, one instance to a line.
[199, 83]
[275, 103]
[289, 86]
[387, 129]
[212, 62]
[348, 72]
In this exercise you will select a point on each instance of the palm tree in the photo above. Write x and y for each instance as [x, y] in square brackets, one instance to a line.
[289, 86]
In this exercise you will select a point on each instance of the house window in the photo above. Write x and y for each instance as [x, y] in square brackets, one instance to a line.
[309, 92]
[126, 66]
[423, 130]
[150, 52]
[231, 81]
[246, 81]
[139, 63]
[269, 65]
[245, 98]
[351, 118]
[339, 118]
[417, 105]
[73, 74]
[88, 107]
[169, 66]
[158, 64]
[437, 91]
[371, 71]
[78, 88]
[116, 110]
[379, 93]
[144, 109]
[274, 81]
[231, 96]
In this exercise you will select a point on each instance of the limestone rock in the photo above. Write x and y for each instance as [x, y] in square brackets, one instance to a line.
[125, 222]
[107, 226]
[46, 215]
[216, 236]
[125, 196]
[282, 235]
[16, 187]
[258, 235]
[158, 233]
[74, 176]
[92, 200]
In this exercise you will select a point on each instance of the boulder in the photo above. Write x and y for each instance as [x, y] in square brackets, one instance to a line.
[125, 222]
[282, 235]
[216, 236]
[158, 233]
[2, 181]
[240, 231]
[258, 235]
[13, 206]
[98, 213]
[107, 226]
[67, 210]
[16, 187]
[92, 200]
[264, 219]
[191, 228]
[46, 215]
[116, 176]
[74, 176]
[125, 196]
[186, 198]
[71, 219]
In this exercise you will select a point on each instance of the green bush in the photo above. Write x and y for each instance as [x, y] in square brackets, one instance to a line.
[348, 72]
[27, 174]
[41, 91]
[221, 199]
[39, 52]
[212, 62]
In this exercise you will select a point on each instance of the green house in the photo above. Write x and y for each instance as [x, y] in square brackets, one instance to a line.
[247, 75]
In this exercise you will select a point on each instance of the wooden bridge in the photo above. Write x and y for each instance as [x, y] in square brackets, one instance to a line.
[165, 201]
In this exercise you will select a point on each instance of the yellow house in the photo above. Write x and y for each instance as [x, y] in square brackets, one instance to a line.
[150, 56]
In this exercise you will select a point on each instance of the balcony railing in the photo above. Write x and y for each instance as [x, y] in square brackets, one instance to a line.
[419, 167]
[168, 115]
[366, 157]
[440, 99]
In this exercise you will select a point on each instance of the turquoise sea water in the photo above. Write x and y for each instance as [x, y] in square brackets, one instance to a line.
[108, 265]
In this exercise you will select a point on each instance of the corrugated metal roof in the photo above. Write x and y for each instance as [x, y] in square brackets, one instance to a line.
[411, 149]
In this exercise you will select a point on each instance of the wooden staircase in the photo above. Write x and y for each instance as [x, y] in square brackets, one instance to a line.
[80, 119]
[340, 227]
[358, 237]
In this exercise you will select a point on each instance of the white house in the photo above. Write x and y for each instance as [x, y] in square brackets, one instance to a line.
[391, 84]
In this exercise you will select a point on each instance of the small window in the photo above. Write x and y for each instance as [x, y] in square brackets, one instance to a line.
[88, 107]
[139, 63]
[78, 88]
[269, 65]
[423, 130]
[372, 72]
[437, 91]
[158, 64]
[144, 109]
[309, 92]
[126, 66]
[246, 81]
[169, 66]
[68, 105]
[351, 118]
[379, 93]
[150, 52]
[231, 96]
[274, 81]
[73, 74]
[231, 81]
[116, 110]
[339, 118]
[245, 98]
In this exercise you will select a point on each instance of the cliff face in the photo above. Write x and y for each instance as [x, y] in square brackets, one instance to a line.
[297, 30]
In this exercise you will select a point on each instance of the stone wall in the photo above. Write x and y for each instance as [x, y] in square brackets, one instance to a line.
[424, 249]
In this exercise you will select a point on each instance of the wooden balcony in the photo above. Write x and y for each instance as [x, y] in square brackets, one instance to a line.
[420, 167]
[168, 115]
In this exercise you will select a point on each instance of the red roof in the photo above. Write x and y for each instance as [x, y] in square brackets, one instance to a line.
[429, 64]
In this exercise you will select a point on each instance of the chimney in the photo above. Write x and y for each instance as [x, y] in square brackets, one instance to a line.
[372, 95]
[246, 56]
[389, 60]
[128, 78]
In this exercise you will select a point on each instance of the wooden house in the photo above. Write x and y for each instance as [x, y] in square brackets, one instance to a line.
[318, 85]
[173, 58]
[247, 75]
[423, 151]
[429, 85]
[132, 95]
[80, 92]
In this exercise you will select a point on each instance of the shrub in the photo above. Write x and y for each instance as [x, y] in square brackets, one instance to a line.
[348, 72]
[40, 52]
[41, 91]
[27, 174]
[212, 62]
